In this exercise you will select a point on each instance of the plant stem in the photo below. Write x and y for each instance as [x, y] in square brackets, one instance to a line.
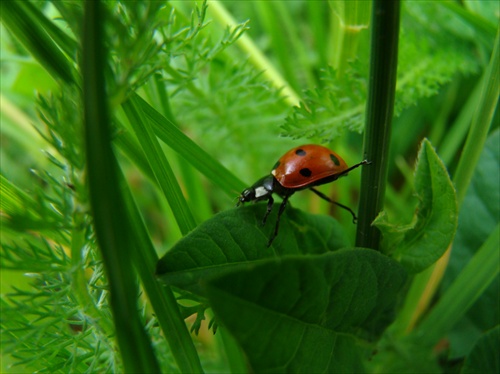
[112, 226]
[380, 107]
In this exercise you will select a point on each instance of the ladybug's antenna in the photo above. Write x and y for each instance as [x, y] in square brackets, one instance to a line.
[324, 197]
[364, 162]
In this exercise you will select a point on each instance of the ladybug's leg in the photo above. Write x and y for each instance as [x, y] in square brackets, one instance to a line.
[324, 197]
[270, 203]
[276, 228]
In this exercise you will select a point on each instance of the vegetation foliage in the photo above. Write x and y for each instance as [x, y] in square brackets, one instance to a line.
[127, 129]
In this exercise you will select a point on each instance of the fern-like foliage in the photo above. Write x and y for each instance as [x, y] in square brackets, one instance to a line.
[46, 327]
[214, 91]
[429, 56]
[61, 322]
[329, 111]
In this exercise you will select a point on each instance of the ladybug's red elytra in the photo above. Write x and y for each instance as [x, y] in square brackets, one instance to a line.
[300, 168]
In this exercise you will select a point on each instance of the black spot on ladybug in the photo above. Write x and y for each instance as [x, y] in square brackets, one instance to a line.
[300, 152]
[335, 159]
[276, 165]
[305, 172]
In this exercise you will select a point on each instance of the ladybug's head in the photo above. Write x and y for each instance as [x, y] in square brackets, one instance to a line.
[246, 196]
[261, 190]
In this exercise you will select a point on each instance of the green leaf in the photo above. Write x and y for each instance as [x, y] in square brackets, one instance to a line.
[402, 356]
[421, 243]
[484, 358]
[303, 314]
[234, 237]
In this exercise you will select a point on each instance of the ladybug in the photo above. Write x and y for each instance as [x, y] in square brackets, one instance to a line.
[300, 168]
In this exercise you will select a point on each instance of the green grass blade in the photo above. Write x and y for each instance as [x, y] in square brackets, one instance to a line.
[303, 62]
[351, 18]
[380, 107]
[319, 28]
[189, 150]
[283, 41]
[129, 146]
[192, 180]
[161, 297]
[455, 136]
[161, 168]
[13, 199]
[481, 24]
[480, 126]
[63, 41]
[23, 21]
[112, 226]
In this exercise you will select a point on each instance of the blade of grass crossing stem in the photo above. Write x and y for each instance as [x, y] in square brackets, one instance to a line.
[160, 166]
[189, 150]
[160, 296]
[380, 107]
[110, 222]
[195, 190]
[129, 146]
[426, 283]
[62, 40]
[19, 18]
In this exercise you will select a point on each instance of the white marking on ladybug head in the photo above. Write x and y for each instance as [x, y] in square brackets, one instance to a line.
[260, 191]
[273, 172]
